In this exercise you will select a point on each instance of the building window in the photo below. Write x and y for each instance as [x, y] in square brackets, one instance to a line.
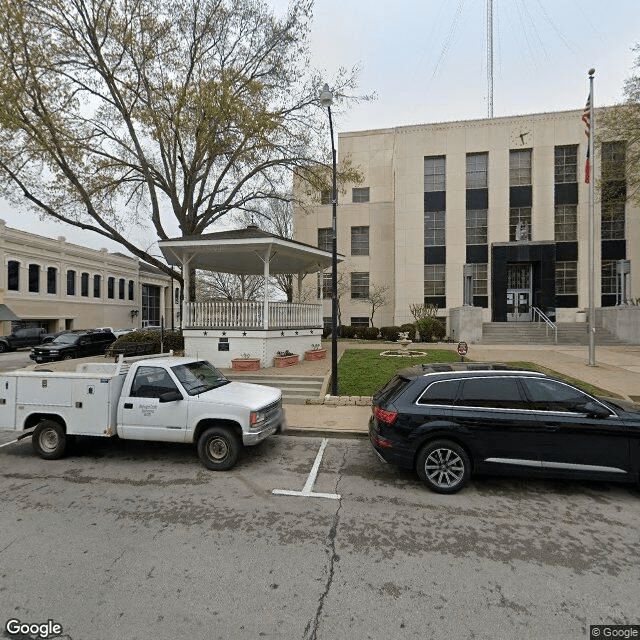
[359, 241]
[52, 280]
[71, 282]
[84, 285]
[359, 285]
[325, 238]
[111, 287]
[434, 279]
[434, 173]
[96, 286]
[131, 296]
[520, 167]
[612, 220]
[519, 224]
[324, 281]
[613, 161]
[566, 222]
[359, 195]
[434, 235]
[567, 277]
[34, 278]
[479, 271]
[476, 226]
[13, 275]
[150, 305]
[608, 277]
[325, 197]
[359, 321]
[566, 164]
[121, 289]
[477, 170]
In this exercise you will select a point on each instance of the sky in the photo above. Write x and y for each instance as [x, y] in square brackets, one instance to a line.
[426, 61]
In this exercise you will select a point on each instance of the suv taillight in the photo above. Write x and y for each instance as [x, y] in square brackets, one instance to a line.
[388, 417]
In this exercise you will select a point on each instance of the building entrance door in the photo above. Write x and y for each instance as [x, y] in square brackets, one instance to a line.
[519, 292]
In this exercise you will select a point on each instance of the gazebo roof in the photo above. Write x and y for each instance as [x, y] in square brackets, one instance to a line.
[243, 252]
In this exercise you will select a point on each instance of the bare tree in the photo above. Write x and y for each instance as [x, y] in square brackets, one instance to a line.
[155, 114]
[228, 286]
[377, 298]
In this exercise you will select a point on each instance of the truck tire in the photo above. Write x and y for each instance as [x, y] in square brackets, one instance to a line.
[49, 440]
[219, 448]
[3, 347]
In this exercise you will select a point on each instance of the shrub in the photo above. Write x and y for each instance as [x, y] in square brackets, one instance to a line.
[431, 329]
[390, 334]
[347, 331]
[172, 340]
[369, 333]
[326, 332]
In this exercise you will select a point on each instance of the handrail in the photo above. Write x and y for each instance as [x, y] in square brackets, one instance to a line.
[538, 316]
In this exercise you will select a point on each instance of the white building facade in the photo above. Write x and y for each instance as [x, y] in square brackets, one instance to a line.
[59, 285]
[491, 214]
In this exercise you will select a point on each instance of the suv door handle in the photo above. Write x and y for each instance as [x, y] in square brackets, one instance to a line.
[551, 427]
[128, 405]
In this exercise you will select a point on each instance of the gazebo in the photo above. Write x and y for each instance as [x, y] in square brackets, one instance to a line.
[221, 330]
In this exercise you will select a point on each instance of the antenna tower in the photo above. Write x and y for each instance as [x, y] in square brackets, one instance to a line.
[490, 58]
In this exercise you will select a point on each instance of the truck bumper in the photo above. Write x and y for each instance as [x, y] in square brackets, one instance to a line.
[275, 425]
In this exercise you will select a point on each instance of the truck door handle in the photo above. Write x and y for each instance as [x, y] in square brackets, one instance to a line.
[128, 405]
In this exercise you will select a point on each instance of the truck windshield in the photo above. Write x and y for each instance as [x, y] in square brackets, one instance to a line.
[198, 377]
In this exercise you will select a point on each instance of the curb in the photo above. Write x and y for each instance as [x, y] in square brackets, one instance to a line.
[324, 433]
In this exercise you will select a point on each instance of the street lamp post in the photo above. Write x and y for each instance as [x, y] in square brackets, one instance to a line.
[326, 100]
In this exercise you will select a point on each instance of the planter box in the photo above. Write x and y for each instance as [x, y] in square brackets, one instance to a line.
[286, 361]
[316, 354]
[245, 364]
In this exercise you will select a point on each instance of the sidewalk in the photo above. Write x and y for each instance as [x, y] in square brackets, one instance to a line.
[617, 370]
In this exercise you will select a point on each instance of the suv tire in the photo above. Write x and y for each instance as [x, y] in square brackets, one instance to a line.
[444, 466]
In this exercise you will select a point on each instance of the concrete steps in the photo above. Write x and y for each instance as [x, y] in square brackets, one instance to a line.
[537, 333]
[295, 389]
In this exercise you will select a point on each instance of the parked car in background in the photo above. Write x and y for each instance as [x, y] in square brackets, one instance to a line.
[74, 344]
[26, 337]
[448, 421]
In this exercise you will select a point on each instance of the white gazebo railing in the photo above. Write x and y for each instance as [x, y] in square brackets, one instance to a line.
[250, 315]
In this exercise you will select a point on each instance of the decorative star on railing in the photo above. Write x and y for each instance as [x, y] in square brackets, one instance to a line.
[282, 333]
[204, 333]
[244, 333]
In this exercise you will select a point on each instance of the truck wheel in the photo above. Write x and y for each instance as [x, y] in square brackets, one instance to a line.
[218, 448]
[3, 347]
[49, 440]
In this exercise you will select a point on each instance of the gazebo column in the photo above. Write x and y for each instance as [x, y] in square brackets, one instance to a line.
[186, 261]
[265, 303]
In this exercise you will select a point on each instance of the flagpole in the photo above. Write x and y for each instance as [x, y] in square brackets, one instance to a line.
[592, 163]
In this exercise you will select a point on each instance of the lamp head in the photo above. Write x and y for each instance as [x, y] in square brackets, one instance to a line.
[326, 96]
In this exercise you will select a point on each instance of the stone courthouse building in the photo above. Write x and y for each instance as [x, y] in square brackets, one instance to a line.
[486, 214]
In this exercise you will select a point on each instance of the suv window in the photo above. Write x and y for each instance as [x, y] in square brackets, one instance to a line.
[551, 395]
[392, 389]
[440, 392]
[496, 393]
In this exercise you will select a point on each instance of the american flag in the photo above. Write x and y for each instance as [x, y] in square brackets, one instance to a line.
[586, 118]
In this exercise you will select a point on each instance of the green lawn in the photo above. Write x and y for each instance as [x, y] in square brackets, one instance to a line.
[361, 372]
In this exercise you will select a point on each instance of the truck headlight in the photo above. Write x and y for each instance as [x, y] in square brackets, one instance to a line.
[255, 417]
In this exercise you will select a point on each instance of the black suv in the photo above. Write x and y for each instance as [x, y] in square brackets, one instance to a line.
[26, 337]
[447, 421]
[73, 344]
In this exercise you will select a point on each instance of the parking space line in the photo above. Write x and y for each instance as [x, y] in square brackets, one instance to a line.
[6, 444]
[308, 485]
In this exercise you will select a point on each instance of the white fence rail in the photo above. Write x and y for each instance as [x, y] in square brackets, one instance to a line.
[250, 315]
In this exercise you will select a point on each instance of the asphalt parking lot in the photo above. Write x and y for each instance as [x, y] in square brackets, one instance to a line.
[128, 540]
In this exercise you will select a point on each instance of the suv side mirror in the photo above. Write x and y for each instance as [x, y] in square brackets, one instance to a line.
[594, 410]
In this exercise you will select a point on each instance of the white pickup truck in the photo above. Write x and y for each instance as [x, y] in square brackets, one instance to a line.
[161, 398]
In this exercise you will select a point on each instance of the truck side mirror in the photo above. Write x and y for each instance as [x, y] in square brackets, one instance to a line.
[170, 396]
